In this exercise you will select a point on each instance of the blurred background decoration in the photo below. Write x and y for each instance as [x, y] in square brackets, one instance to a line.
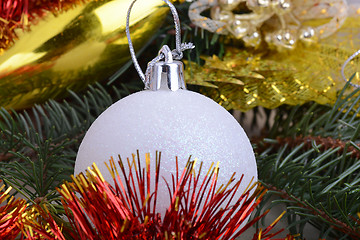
[47, 47]
[282, 52]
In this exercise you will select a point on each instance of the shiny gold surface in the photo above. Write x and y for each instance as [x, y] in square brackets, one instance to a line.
[70, 50]
[245, 78]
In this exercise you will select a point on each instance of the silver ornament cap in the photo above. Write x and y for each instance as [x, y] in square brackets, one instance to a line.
[167, 75]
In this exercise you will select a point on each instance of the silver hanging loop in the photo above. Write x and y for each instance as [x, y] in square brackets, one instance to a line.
[169, 71]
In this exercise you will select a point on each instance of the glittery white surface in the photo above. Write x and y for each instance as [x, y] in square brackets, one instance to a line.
[180, 123]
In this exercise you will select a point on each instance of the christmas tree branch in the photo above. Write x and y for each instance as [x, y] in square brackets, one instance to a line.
[308, 142]
[38, 146]
[5, 157]
[322, 214]
[310, 162]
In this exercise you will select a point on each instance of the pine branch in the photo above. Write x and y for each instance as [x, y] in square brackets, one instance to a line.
[5, 157]
[333, 222]
[309, 142]
[310, 161]
[307, 176]
[38, 146]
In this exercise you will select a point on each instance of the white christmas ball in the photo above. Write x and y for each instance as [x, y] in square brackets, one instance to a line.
[180, 123]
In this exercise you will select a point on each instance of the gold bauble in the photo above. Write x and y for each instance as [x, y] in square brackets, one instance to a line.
[70, 49]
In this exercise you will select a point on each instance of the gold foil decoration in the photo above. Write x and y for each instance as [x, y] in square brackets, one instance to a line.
[73, 48]
[246, 78]
[312, 40]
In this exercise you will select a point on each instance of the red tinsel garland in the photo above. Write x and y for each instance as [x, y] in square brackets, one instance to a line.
[10, 213]
[19, 14]
[126, 209]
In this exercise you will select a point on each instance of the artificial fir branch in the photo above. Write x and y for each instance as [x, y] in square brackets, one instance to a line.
[309, 142]
[310, 158]
[304, 182]
[38, 146]
[5, 157]
[334, 223]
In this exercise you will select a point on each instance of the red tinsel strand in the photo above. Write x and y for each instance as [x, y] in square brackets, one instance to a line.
[10, 214]
[101, 206]
[20, 14]
[43, 226]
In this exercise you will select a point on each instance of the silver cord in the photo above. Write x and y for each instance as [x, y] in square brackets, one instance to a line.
[346, 63]
[176, 53]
